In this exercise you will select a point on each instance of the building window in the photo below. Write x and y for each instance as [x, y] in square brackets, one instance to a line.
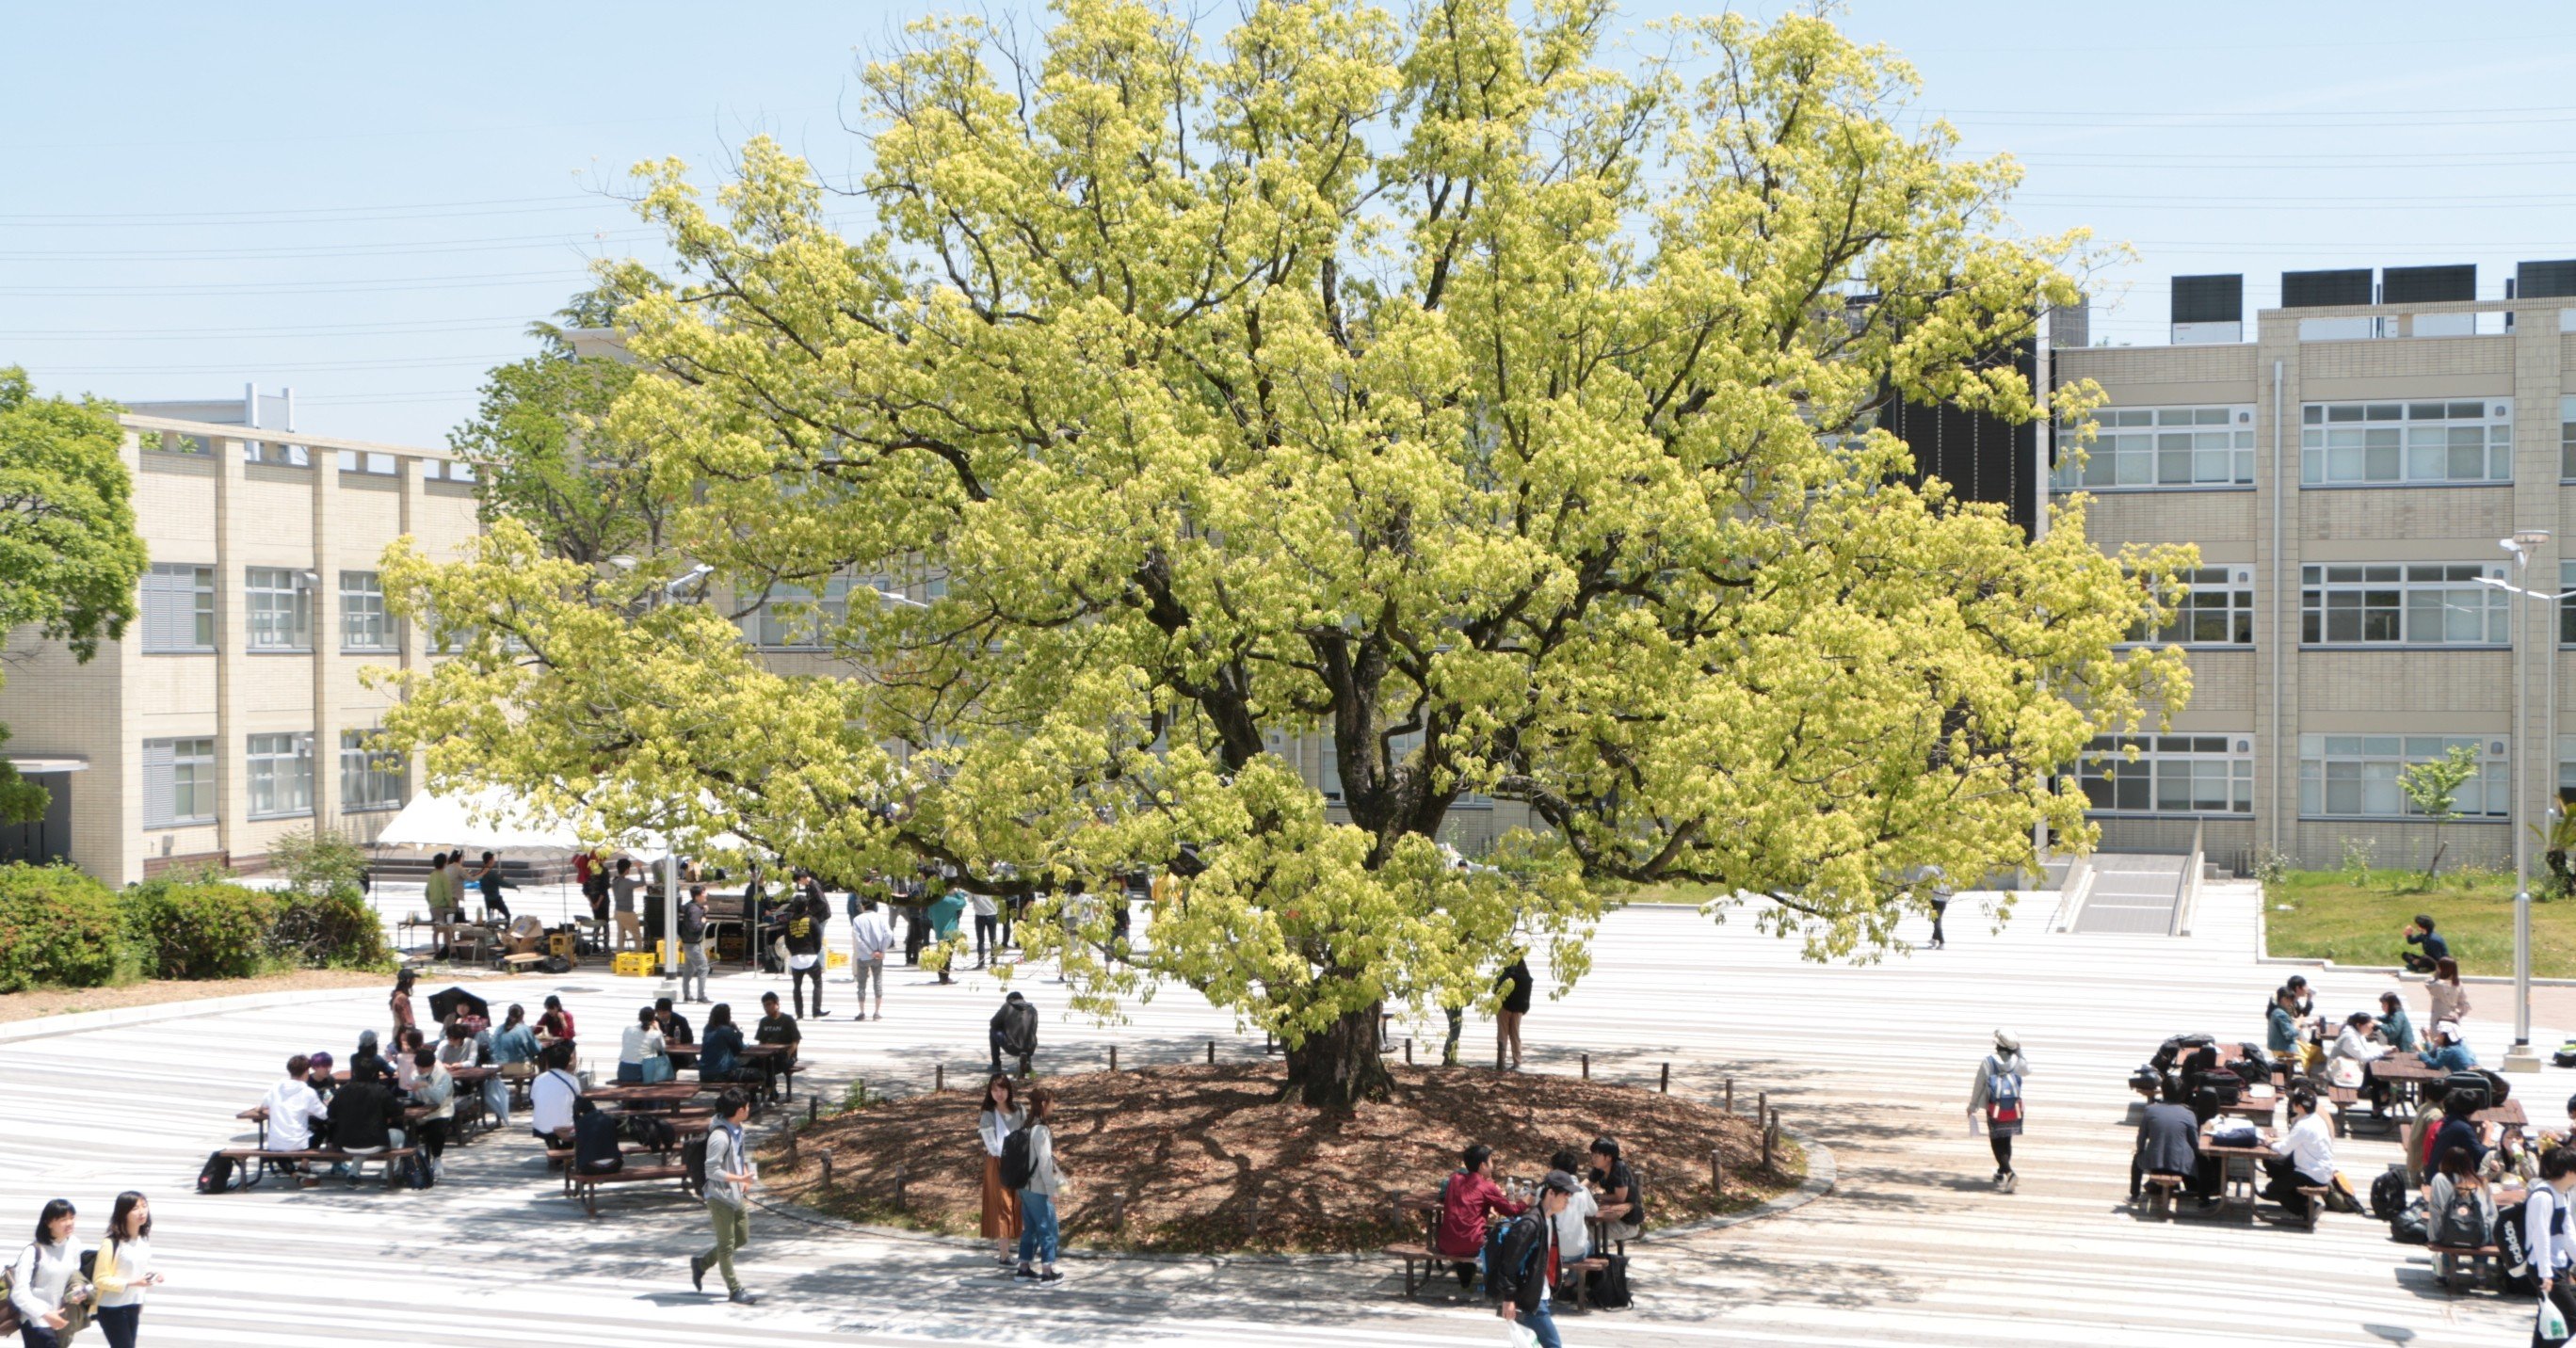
[2567, 769]
[2164, 447]
[281, 775]
[364, 624]
[178, 782]
[370, 778]
[2356, 775]
[281, 609]
[2217, 610]
[2567, 436]
[2465, 441]
[2567, 606]
[793, 617]
[178, 608]
[2417, 604]
[2172, 774]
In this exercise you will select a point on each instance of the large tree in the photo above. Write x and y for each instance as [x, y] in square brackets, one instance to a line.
[69, 556]
[1499, 414]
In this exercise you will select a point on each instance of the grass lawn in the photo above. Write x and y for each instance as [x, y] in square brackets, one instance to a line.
[2323, 914]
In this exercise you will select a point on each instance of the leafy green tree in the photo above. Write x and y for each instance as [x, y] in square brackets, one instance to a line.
[543, 455]
[1499, 416]
[2433, 788]
[69, 556]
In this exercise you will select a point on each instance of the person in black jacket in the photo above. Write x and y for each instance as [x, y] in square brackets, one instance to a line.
[673, 1025]
[366, 1116]
[2169, 1144]
[1525, 1266]
[1014, 1031]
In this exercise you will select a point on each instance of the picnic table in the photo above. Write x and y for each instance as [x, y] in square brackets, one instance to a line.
[2231, 1185]
[2405, 1075]
[660, 1094]
[2509, 1114]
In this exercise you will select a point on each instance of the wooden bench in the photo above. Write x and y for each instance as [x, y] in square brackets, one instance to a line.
[259, 1161]
[2312, 1204]
[586, 1187]
[2448, 1258]
[2160, 1194]
[562, 1157]
[1579, 1273]
[520, 964]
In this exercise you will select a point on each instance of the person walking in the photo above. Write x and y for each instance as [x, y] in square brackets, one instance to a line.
[1997, 1094]
[693, 947]
[1939, 894]
[998, 1117]
[943, 914]
[805, 918]
[124, 1269]
[2549, 1238]
[1516, 984]
[1013, 1031]
[630, 924]
[1525, 1259]
[40, 1279]
[730, 1176]
[870, 937]
[988, 928]
[1043, 1181]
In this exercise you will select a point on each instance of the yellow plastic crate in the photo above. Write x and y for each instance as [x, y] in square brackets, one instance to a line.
[632, 964]
[836, 959]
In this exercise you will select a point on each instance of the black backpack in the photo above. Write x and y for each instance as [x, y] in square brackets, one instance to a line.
[1018, 1160]
[647, 1131]
[2388, 1194]
[414, 1172]
[2171, 1050]
[2513, 1258]
[2253, 1065]
[2463, 1222]
[1608, 1287]
[2407, 1227]
[2227, 1086]
[693, 1161]
[2471, 1085]
[220, 1174]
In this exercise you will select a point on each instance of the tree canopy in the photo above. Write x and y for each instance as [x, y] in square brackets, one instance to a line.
[69, 556]
[1502, 414]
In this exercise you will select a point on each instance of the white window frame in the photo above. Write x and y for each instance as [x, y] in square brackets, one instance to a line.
[2222, 595]
[277, 605]
[179, 771]
[2163, 449]
[2370, 766]
[2188, 774]
[794, 618]
[178, 603]
[280, 775]
[2412, 594]
[2407, 442]
[365, 624]
[370, 779]
[2567, 436]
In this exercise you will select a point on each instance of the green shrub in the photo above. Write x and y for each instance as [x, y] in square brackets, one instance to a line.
[332, 929]
[58, 928]
[317, 861]
[197, 926]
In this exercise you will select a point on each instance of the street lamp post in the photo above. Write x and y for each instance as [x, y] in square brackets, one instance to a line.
[2520, 1058]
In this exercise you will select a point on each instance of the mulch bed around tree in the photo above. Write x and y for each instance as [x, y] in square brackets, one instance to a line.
[1212, 1160]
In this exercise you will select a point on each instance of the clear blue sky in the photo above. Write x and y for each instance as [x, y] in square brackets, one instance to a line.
[370, 202]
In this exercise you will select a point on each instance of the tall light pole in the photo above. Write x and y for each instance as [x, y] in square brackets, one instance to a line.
[2520, 1058]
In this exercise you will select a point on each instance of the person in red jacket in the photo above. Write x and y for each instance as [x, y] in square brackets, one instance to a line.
[1468, 1201]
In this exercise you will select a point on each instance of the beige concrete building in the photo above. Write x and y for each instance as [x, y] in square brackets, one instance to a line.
[232, 711]
[2348, 468]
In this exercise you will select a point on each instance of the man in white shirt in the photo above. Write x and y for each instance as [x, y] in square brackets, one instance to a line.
[2304, 1155]
[292, 1108]
[870, 937]
[551, 1097]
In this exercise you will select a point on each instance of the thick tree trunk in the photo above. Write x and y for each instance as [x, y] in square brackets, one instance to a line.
[1339, 1066]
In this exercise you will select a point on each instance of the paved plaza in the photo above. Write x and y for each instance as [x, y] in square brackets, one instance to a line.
[1912, 1245]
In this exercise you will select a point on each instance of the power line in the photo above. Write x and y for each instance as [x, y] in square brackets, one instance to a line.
[485, 280]
[291, 253]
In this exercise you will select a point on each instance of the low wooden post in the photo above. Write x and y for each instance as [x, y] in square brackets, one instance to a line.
[813, 1108]
[901, 1175]
[1717, 1172]
[1761, 1107]
[1252, 1215]
[1667, 1087]
[1730, 1095]
[1211, 1053]
[793, 1161]
[938, 1077]
[1117, 1209]
[1408, 1050]
[826, 1159]
[1113, 1057]
[1770, 1139]
[1587, 1067]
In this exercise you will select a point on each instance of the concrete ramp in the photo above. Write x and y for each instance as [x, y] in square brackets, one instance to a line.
[2133, 893]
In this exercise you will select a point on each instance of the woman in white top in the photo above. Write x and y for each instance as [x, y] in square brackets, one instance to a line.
[2545, 1231]
[124, 1269]
[999, 1117]
[641, 1056]
[2450, 1000]
[40, 1276]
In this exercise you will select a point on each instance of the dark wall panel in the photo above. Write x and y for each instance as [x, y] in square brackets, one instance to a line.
[2420, 285]
[2209, 299]
[2314, 289]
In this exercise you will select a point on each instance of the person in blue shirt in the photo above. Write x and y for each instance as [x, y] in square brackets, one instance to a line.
[2434, 948]
[2281, 1024]
[2450, 1054]
[720, 1051]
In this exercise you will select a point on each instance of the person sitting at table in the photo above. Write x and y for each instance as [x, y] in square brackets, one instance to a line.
[367, 1064]
[775, 1027]
[435, 1090]
[366, 1117]
[2169, 1144]
[1574, 1225]
[2302, 1156]
[2396, 1029]
[2448, 1053]
[2458, 1131]
[514, 1058]
[1469, 1200]
[457, 1047]
[406, 1044]
[2348, 1065]
[595, 1149]
[551, 1097]
[2429, 1097]
[673, 1025]
[1623, 1215]
[2281, 1025]
[720, 1057]
[641, 1059]
[292, 1108]
[2458, 1178]
[318, 1076]
[2431, 950]
[556, 1023]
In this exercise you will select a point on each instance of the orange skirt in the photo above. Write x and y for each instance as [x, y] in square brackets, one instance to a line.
[1001, 1206]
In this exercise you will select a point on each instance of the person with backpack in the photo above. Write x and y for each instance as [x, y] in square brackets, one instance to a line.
[942, 915]
[41, 1280]
[1997, 1094]
[693, 947]
[2431, 948]
[1029, 1166]
[729, 1178]
[123, 1269]
[997, 1117]
[1526, 1260]
[2548, 1247]
[2462, 1207]
[1469, 1200]
[1622, 1207]
[1014, 1031]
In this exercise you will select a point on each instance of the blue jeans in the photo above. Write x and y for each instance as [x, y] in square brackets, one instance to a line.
[1037, 1227]
[1542, 1322]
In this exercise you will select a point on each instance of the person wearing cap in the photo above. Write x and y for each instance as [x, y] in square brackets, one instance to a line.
[1527, 1259]
[1997, 1092]
[2448, 1053]
[1468, 1200]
